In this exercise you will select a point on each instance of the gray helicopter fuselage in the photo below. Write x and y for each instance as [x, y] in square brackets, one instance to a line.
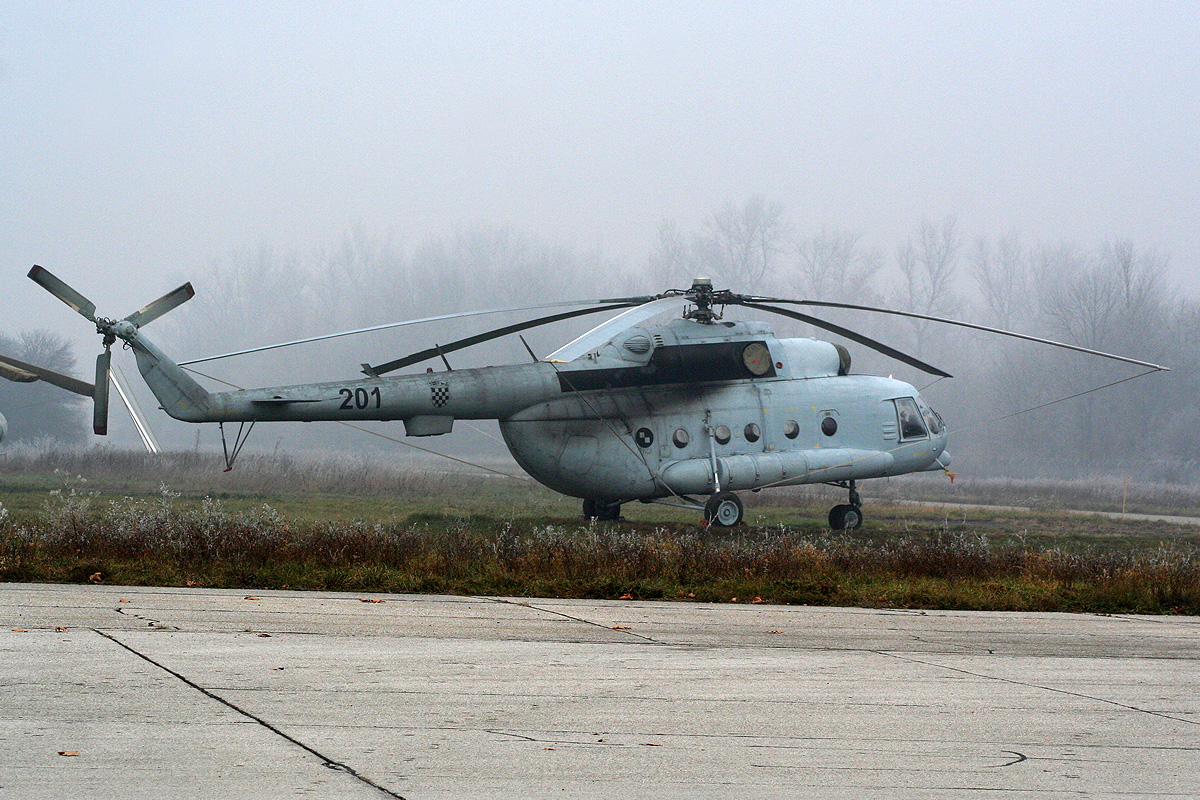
[677, 409]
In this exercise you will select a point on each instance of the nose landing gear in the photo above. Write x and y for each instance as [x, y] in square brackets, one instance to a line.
[847, 517]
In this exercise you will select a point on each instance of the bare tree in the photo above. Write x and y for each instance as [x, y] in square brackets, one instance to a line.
[833, 266]
[1002, 275]
[742, 243]
[927, 267]
[673, 261]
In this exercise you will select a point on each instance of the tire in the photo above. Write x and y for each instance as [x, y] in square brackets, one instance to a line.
[589, 508]
[608, 512]
[845, 518]
[723, 509]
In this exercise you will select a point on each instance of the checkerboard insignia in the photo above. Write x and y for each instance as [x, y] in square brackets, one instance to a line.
[439, 392]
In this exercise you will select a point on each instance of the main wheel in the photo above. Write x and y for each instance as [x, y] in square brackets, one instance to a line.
[589, 508]
[608, 512]
[724, 509]
[845, 518]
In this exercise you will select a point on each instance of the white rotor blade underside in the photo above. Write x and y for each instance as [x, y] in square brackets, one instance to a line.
[135, 411]
[607, 330]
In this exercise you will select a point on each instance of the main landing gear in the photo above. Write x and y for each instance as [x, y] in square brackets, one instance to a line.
[724, 509]
[847, 517]
[602, 510]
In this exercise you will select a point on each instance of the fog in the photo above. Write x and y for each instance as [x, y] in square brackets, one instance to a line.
[314, 166]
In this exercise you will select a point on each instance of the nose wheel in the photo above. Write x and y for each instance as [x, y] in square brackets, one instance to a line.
[847, 517]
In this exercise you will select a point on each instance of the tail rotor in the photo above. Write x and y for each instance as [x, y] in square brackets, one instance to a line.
[109, 329]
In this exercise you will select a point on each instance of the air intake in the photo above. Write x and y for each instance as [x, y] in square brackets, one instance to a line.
[637, 344]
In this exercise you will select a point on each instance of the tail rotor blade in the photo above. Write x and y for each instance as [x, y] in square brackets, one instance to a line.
[100, 407]
[162, 305]
[46, 279]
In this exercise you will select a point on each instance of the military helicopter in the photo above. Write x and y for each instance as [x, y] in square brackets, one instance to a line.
[668, 413]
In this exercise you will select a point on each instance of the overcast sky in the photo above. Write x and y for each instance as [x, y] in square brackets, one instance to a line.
[141, 141]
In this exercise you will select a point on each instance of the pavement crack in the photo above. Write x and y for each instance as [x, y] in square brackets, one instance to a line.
[153, 623]
[1032, 685]
[325, 760]
[1019, 758]
[502, 601]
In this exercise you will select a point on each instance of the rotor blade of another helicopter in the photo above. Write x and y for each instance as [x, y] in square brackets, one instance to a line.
[607, 330]
[961, 324]
[854, 337]
[100, 398]
[620, 301]
[155, 309]
[39, 373]
[441, 350]
[47, 280]
[16, 373]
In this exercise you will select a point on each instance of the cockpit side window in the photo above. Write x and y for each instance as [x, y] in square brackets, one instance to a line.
[911, 424]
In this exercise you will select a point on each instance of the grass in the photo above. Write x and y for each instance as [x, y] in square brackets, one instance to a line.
[353, 526]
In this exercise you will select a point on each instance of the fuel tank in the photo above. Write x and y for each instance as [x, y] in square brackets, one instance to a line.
[736, 473]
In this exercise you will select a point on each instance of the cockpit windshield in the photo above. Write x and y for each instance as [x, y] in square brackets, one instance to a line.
[932, 419]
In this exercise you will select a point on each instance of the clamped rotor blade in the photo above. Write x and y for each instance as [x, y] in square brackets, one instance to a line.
[31, 372]
[854, 337]
[46, 279]
[420, 321]
[100, 407]
[961, 324]
[441, 350]
[155, 309]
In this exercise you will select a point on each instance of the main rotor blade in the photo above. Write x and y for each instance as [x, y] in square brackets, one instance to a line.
[39, 373]
[854, 337]
[961, 324]
[433, 352]
[46, 279]
[155, 309]
[607, 330]
[100, 402]
[386, 326]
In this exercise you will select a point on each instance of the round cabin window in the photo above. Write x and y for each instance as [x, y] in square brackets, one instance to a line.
[722, 434]
[644, 437]
[757, 358]
[753, 433]
[829, 426]
[680, 438]
[791, 429]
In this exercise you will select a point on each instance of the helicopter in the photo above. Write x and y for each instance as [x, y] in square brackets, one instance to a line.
[699, 407]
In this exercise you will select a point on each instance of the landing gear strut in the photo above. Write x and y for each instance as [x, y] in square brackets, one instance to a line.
[602, 510]
[847, 517]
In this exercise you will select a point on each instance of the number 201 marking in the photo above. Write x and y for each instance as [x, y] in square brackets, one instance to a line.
[358, 398]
